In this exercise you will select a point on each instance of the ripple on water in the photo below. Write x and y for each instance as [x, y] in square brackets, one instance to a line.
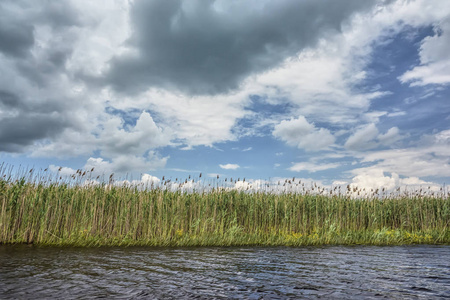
[224, 273]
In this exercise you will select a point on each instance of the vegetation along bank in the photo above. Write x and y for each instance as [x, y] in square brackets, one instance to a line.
[60, 213]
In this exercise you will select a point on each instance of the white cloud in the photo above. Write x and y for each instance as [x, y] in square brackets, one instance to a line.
[411, 162]
[311, 167]
[193, 120]
[241, 185]
[430, 157]
[363, 138]
[62, 171]
[298, 132]
[70, 143]
[442, 138]
[434, 58]
[105, 37]
[339, 183]
[229, 166]
[116, 139]
[149, 179]
[376, 179]
[390, 137]
[250, 185]
[373, 116]
[123, 164]
[317, 83]
[123, 148]
[396, 114]
[368, 137]
[189, 186]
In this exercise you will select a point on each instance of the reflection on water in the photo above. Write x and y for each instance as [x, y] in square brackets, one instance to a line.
[405, 272]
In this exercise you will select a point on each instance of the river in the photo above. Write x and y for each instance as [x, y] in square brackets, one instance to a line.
[332, 272]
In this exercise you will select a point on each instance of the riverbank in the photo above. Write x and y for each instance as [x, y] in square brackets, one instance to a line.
[105, 215]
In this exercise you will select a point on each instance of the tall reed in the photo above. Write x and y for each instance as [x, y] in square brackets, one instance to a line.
[60, 213]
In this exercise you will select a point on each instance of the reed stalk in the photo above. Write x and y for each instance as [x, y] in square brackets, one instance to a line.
[59, 213]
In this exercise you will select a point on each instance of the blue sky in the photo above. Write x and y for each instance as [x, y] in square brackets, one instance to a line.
[349, 92]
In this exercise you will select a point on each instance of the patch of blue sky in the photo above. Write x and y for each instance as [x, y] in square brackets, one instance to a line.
[415, 110]
[389, 61]
[262, 116]
[21, 162]
[128, 117]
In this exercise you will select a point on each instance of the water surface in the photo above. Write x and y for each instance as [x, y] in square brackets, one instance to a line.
[358, 272]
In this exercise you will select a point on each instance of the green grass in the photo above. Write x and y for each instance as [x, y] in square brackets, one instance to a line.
[62, 213]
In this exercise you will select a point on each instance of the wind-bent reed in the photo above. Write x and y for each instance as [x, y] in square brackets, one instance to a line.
[59, 213]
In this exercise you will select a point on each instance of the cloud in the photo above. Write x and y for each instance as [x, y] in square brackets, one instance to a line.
[114, 83]
[22, 25]
[368, 137]
[211, 47]
[390, 137]
[62, 171]
[430, 157]
[311, 167]
[286, 185]
[149, 179]
[411, 162]
[37, 104]
[192, 120]
[123, 164]
[377, 179]
[112, 137]
[434, 59]
[319, 82]
[116, 139]
[16, 37]
[298, 132]
[23, 122]
[198, 120]
[146, 181]
[441, 138]
[363, 138]
[229, 166]
[323, 83]
[396, 114]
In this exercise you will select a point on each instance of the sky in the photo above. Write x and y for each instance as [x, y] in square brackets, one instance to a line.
[335, 92]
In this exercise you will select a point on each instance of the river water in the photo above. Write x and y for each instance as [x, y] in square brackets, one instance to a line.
[333, 272]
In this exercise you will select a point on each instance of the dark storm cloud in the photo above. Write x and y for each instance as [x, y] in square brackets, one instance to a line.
[16, 38]
[27, 122]
[24, 117]
[199, 47]
[19, 18]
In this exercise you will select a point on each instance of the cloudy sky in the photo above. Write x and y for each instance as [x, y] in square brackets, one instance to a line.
[333, 91]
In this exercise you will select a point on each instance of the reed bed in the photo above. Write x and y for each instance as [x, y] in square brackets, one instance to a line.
[58, 212]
